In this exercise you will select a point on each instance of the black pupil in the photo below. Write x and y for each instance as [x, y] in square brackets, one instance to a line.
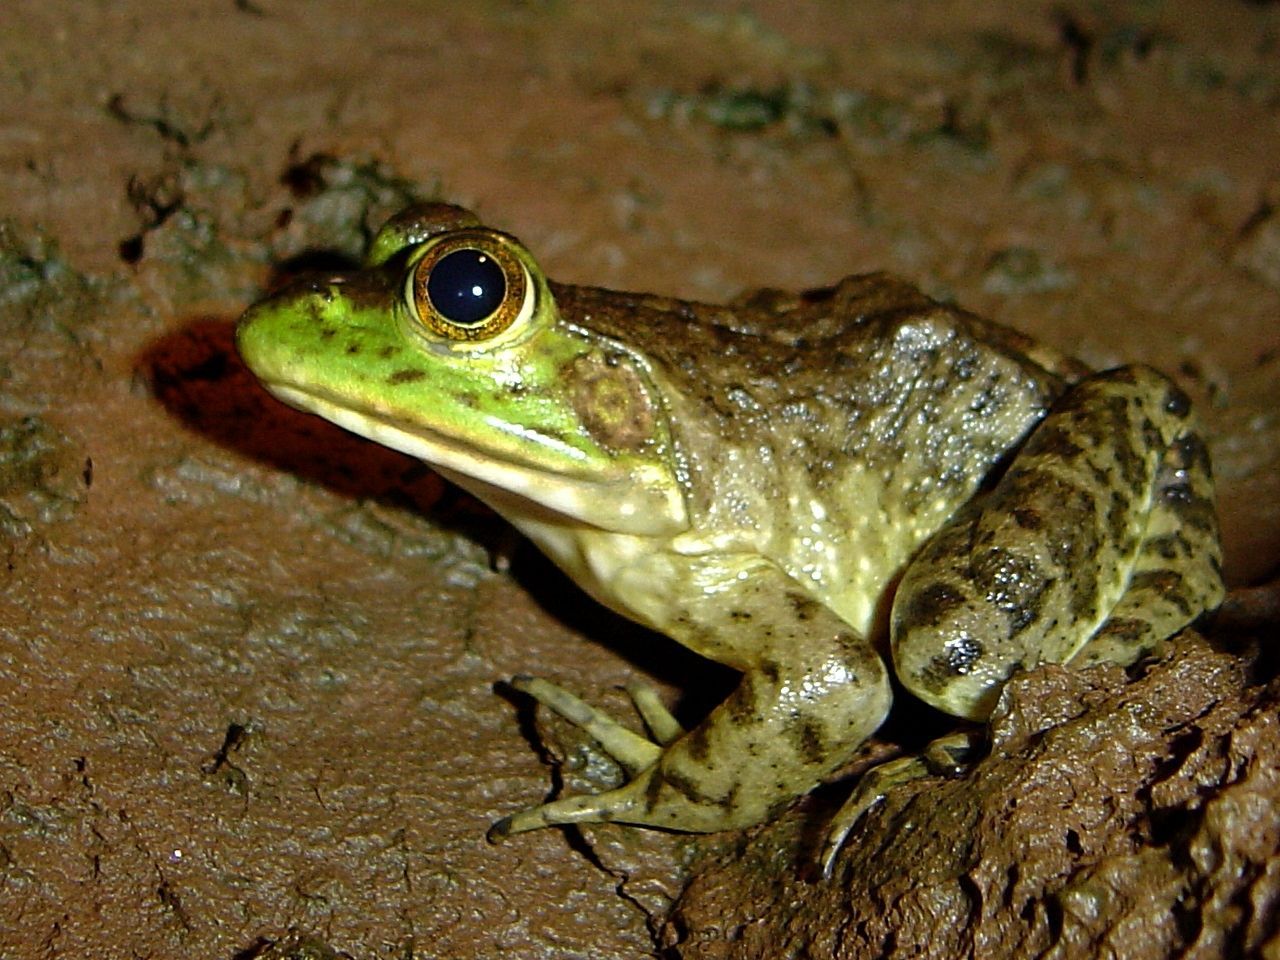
[466, 286]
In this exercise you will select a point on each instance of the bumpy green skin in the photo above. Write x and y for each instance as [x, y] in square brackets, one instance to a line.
[775, 484]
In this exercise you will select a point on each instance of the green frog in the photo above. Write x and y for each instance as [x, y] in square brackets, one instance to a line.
[806, 487]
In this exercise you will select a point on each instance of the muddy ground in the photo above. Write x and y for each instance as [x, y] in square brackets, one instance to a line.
[248, 663]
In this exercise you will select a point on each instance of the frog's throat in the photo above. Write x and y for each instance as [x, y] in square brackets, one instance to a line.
[642, 500]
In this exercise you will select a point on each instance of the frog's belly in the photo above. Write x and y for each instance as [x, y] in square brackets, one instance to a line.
[849, 552]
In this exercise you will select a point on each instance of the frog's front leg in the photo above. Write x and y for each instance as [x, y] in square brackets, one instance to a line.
[812, 689]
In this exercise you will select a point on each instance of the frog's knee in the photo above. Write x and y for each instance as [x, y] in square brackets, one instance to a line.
[942, 649]
[843, 704]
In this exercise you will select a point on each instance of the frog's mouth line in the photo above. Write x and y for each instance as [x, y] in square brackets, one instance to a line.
[643, 500]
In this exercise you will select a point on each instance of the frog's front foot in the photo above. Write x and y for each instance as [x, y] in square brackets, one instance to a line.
[636, 755]
[946, 756]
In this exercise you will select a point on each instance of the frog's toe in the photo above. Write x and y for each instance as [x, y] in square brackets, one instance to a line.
[947, 756]
[871, 789]
[499, 830]
[665, 728]
[585, 808]
[632, 751]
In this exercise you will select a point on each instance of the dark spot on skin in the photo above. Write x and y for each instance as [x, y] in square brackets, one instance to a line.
[859, 659]
[808, 739]
[652, 791]
[1082, 600]
[328, 333]
[1118, 516]
[1167, 584]
[806, 608]
[1151, 436]
[1132, 467]
[1028, 518]
[962, 654]
[1014, 584]
[740, 616]
[1101, 475]
[1176, 402]
[1127, 630]
[131, 249]
[985, 404]
[386, 352]
[741, 704]
[770, 671]
[1073, 401]
[1196, 512]
[697, 743]
[1132, 470]
[964, 366]
[687, 788]
[1057, 441]
[1070, 537]
[928, 606]
[957, 659]
[1190, 453]
[1171, 546]
[405, 376]
[730, 801]
[353, 349]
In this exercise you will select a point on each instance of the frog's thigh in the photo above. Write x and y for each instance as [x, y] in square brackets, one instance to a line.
[813, 693]
[1081, 519]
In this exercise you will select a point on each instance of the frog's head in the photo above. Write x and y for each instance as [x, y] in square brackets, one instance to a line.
[448, 346]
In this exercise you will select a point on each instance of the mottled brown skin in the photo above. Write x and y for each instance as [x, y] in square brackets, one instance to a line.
[765, 481]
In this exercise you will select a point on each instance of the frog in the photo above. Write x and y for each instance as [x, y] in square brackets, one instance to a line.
[820, 490]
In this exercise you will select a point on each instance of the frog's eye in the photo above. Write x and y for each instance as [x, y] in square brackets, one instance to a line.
[469, 288]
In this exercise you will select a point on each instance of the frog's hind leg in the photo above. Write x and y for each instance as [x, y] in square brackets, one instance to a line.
[811, 691]
[1178, 571]
[1098, 542]
[1105, 510]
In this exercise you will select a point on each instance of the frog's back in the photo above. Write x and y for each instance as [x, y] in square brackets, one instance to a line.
[868, 306]
[832, 430]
